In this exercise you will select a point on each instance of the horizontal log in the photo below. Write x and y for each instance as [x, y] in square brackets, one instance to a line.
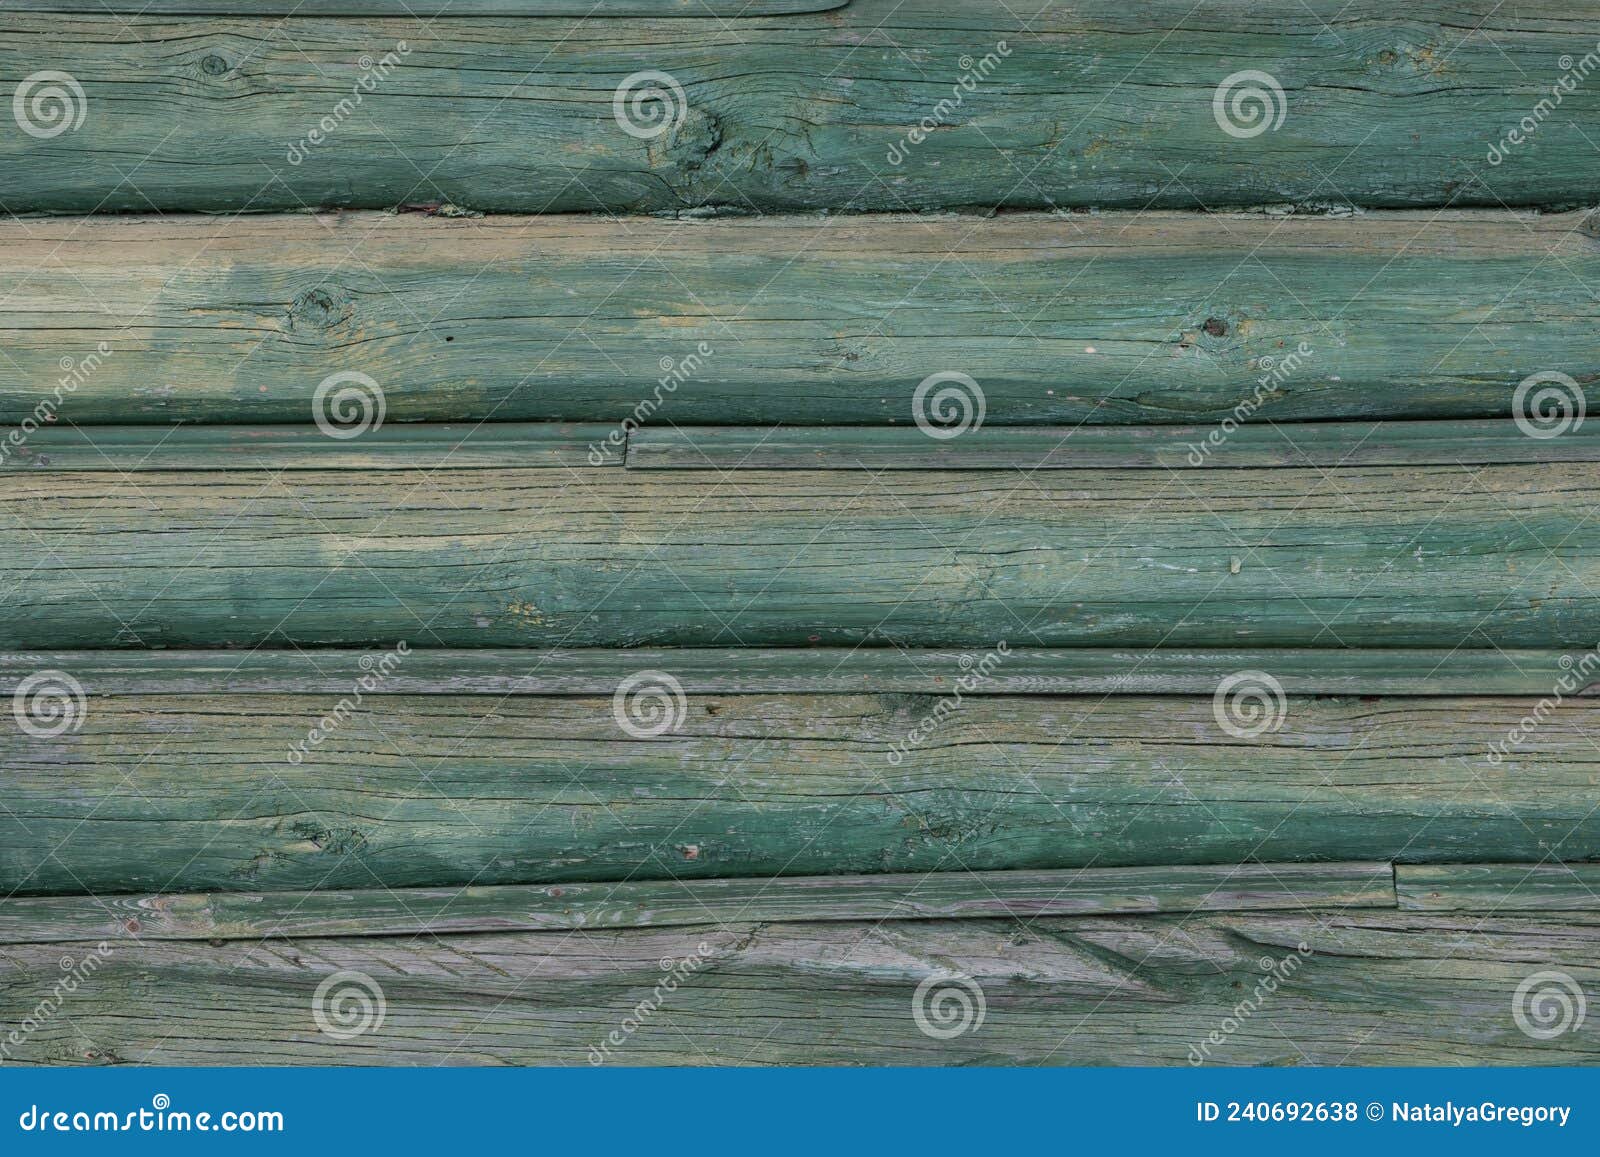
[1322, 987]
[667, 903]
[1382, 556]
[259, 793]
[1116, 318]
[588, 9]
[884, 104]
[1499, 887]
[822, 670]
[1487, 442]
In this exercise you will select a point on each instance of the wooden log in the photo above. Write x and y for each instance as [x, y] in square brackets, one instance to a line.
[1116, 318]
[822, 670]
[1499, 887]
[1321, 987]
[587, 9]
[667, 903]
[232, 793]
[884, 104]
[1384, 556]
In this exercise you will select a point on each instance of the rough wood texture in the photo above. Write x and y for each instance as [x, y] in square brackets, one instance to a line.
[822, 670]
[1062, 319]
[1420, 443]
[1500, 887]
[588, 9]
[1379, 556]
[1360, 988]
[659, 904]
[1097, 104]
[196, 794]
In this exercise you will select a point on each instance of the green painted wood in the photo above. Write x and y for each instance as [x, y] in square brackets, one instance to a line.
[187, 794]
[134, 449]
[1384, 556]
[822, 670]
[422, 9]
[814, 320]
[1324, 987]
[1095, 104]
[1499, 887]
[655, 904]
[1495, 441]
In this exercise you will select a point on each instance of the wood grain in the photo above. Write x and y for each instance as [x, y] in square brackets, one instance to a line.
[1499, 887]
[1100, 104]
[186, 794]
[1162, 318]
[588, 9]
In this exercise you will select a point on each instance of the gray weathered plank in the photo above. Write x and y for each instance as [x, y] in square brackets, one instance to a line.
[1378, 556]
[1099, 103]
[232, 793]
[1323, 987]
[1058, 319]
[423, 9]
[1551, 887]
[666, 903]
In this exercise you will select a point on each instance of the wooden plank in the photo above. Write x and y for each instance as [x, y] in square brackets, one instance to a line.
[666, 903]
[587, 9]
[821, 670]
[1322, 987]
[1107, 319]
[1499, 887]
[1435, 557]
[234, 793]
[1097, 104]
[1422, 443]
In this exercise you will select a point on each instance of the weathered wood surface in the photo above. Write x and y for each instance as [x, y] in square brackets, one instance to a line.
[189, 794]
[1116, 318]
[421, 447]
[1380, 556]
[588, 9]
[1358, 988]
[667, 903]
[1498, 441]
[822, 670]
[1096, 104]
[1499, 887]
